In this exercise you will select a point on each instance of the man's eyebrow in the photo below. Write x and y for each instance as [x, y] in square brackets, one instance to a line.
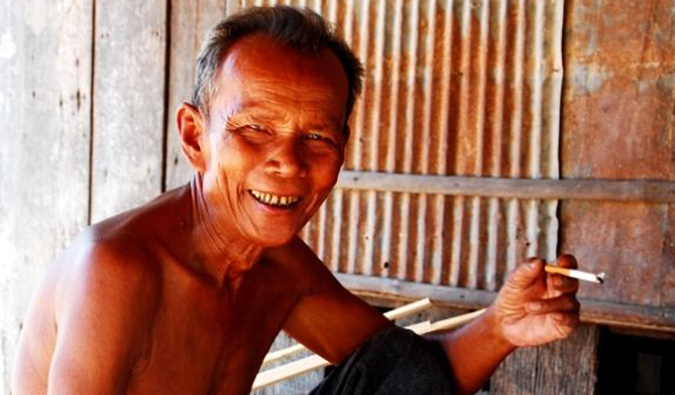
[328, 125]
[255, 107]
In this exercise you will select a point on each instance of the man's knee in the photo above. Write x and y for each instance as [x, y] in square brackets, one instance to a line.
[394, 361]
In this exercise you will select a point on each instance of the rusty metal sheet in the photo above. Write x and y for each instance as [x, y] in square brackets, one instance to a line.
[618, 124]
[473, 88]
[452, 88]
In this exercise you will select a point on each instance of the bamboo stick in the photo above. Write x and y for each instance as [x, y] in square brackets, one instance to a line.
[408, 309]
[308, 364]
[454, 322]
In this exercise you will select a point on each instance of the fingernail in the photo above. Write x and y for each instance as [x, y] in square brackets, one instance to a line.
[534, 306]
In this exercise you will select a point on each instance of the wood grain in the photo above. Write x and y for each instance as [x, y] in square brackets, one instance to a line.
[128, 104]
[190, 22]
[570, 189]
[565, 367]
[45, 103]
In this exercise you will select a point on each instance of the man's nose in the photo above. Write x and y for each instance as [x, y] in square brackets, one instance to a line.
[287, 159]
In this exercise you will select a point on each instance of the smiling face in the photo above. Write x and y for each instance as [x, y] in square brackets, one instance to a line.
[274, 142]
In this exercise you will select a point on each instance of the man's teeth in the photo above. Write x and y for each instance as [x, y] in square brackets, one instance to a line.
[274, 200]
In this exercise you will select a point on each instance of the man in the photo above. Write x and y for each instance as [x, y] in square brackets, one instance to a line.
[185, 294]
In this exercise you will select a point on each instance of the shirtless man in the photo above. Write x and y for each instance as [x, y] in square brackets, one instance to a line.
[185, 294]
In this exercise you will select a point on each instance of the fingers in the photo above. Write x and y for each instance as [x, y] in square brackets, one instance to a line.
[566, 303]
[565, 323]
[567, 261]
[563, 284]
[527, 273]
[558, 284]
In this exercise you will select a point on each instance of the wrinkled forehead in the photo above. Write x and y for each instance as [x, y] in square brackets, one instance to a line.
[257, 64]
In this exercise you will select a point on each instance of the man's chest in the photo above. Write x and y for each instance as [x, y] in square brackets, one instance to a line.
[202, 343]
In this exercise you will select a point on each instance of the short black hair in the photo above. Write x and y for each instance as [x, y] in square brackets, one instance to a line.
[298, 28]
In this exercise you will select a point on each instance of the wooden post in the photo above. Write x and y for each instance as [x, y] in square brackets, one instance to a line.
[190, 22]
[565, 367]
[129, 77]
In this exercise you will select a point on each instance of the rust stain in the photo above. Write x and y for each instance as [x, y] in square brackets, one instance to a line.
[453, 87]
[447, 104]
[618, 124]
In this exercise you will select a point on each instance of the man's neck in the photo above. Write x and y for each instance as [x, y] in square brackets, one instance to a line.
[220, 250]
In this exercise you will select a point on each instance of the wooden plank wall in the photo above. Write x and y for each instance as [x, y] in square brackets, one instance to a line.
[190, 21]
[128, 108]
[88, 92]
[45, 113]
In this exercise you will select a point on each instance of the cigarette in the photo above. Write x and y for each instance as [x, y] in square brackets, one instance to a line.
[594, 278]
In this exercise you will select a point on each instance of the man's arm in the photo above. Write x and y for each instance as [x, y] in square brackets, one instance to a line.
[327, 318]
[533, 308]
[103, 315]
[333, 322]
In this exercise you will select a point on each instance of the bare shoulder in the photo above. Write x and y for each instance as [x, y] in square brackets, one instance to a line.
[115, 263]
[299, 262]
[103, 290]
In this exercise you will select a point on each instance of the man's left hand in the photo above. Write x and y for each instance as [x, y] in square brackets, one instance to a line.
[535, 307]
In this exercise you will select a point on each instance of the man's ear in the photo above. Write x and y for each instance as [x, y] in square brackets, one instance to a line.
[191, 128]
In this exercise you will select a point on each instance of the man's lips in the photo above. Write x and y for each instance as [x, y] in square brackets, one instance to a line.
[274, 200]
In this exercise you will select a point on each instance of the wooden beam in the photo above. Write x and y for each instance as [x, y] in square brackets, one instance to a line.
[405, 291]
[592, 311]
[580, 189]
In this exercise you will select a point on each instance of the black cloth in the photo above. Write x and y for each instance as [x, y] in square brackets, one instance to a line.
[395, 361]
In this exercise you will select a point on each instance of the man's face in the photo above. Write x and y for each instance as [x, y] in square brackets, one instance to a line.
[275, 139]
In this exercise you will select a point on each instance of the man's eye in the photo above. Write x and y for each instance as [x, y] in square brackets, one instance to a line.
[314, 136]
[321, 137]
[256, 128]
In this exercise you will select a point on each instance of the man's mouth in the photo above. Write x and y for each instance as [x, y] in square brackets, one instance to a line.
[274, 200]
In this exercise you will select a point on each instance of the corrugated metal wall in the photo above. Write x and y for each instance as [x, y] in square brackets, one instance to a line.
[452, 88]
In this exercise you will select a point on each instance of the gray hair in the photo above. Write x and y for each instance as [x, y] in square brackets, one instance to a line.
[301, 29]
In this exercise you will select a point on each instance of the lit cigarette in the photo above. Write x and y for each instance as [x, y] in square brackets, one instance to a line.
[594, 278]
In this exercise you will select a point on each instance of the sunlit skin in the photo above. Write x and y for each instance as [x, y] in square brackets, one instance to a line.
[185, 294]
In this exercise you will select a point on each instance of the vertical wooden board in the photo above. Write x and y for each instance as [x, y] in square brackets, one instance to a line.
[564, 367]
[128, 104]
[618, 123]
[45, 73]
[190, 22]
